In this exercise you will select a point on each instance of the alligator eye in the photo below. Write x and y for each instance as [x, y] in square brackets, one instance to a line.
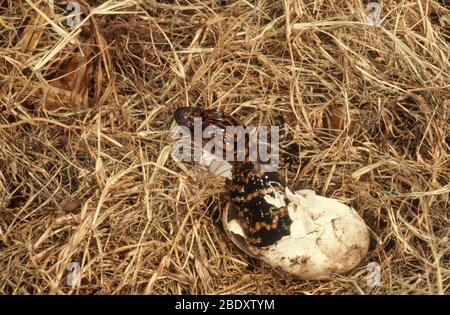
[185, 116]
[181, 115]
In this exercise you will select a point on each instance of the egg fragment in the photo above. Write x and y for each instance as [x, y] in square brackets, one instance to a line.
[326, 236]
[209, 162]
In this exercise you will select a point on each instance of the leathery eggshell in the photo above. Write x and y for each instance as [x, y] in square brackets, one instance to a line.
[326, 236]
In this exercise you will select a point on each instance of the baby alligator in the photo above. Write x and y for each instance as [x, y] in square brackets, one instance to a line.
[257, 196]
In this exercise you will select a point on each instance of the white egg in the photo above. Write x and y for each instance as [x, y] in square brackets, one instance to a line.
[326, 237]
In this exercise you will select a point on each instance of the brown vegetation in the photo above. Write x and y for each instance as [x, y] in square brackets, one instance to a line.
[85, 169]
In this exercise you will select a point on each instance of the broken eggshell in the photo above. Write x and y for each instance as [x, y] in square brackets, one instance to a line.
[326, 236]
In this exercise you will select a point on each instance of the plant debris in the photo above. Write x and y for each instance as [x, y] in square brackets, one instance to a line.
[86, 175]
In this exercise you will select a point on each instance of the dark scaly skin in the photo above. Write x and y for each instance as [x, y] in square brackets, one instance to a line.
[263, 223]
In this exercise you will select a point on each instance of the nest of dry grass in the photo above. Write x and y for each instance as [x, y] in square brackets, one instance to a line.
[85, 168]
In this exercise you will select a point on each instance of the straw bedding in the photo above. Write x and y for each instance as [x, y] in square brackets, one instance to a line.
[86, 174]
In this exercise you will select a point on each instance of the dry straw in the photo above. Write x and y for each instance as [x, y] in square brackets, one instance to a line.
[85, 169]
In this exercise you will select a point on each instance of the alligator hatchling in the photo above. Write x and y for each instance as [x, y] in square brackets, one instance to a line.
[300, 233]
